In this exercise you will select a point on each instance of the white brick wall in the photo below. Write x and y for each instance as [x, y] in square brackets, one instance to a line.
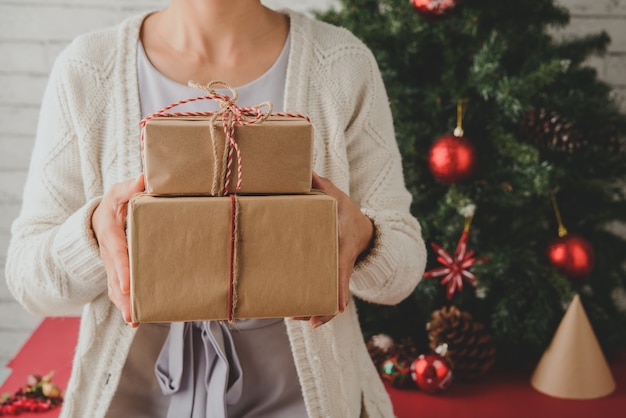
[32, 32]
[592, 16]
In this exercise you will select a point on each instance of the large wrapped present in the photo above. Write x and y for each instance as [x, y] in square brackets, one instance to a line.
[194, 156]
[218, 258]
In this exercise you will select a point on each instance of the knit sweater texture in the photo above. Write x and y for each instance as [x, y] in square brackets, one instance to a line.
[88, 139]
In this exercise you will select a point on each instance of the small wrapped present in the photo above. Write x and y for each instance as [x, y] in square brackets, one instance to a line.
[219, 154]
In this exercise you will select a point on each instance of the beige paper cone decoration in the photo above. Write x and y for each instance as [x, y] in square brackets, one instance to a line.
[574, 366]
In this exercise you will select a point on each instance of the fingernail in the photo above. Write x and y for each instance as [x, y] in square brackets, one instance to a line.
[343, 304]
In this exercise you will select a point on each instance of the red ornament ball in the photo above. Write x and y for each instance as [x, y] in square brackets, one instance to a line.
[397, 371]
[452, 159]
[572, 255]
[431, 372]
[433, 9]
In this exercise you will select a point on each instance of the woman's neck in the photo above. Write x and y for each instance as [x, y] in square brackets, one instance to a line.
[215, 26]
[234, 40]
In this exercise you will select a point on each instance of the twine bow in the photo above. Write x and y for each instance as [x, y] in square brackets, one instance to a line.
[233, 115]
[230, 114]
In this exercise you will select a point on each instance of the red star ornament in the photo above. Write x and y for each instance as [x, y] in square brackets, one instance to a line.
[456, 267]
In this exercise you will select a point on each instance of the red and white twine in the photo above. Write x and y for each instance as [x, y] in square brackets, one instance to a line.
[231, 116]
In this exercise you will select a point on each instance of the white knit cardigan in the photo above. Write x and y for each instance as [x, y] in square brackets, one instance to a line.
[88, 138]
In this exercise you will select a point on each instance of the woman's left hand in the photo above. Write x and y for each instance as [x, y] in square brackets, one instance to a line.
[356, 232]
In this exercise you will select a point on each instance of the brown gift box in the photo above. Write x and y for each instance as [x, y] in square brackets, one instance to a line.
[180, 247]
[187, 156]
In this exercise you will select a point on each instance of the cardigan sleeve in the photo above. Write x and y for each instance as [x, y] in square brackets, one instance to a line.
[53, 264]
[394, 266]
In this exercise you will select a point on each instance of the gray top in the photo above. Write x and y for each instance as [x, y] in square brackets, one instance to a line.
[157, 91]
[243, 369]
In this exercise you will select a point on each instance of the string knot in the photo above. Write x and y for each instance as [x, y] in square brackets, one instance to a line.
[232, 115]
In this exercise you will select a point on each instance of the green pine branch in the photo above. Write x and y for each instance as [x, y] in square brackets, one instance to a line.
[502, 57]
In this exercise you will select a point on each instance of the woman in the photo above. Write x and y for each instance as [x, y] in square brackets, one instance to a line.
[68, 246]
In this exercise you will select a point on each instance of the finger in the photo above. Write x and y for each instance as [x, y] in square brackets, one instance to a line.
[318, 321]
[112, 282]
[134, 186]
[319, 182]
[116, 242]
[124, 307]
[120, 300]
[114, 245]
[123, 192]
[345, 271]
[141, 182]
[122, 266]
[315, 180]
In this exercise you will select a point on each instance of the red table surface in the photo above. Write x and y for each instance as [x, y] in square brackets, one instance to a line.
[506, 394]
[49, 348]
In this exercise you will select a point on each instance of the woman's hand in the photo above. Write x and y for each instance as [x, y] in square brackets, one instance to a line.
[356, 232]
[107, 223]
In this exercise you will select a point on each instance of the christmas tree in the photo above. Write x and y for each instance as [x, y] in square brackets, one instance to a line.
[546, 156]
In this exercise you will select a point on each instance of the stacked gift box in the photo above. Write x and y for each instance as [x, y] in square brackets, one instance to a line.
[229, 227]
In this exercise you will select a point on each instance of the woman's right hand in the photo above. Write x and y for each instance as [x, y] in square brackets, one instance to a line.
[107, 223]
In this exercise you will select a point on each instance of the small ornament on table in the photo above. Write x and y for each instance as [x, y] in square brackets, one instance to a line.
[431, 372]
[570, 254]
[39, 394]
[452, 157]
[434, 9]
[380, 348]
[397, 371]
[455, 270]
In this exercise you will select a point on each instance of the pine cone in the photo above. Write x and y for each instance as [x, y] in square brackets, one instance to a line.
[550, 130]
[470, 351]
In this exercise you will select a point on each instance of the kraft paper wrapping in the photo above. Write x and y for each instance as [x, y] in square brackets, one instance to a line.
[184, 155]
[179, 250]
[573, 366]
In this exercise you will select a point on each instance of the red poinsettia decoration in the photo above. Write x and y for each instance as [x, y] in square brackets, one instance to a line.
[456, 266]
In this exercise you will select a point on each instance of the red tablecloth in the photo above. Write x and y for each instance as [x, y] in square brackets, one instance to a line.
[500, 394]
